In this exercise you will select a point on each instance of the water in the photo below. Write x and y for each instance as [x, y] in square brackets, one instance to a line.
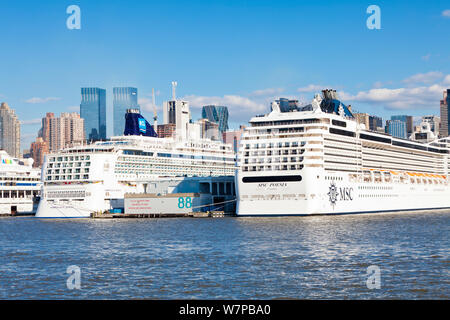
[227, 258]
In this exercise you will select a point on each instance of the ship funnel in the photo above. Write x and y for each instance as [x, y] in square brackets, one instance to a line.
[136, 125]
[330, 94]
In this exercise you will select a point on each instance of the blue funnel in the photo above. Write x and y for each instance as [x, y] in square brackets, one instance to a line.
[136, 125]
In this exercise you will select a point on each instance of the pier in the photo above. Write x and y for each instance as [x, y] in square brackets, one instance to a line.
[213, 214]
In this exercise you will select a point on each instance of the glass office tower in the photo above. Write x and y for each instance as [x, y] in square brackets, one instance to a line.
[217, 114]
[124, 98]
[397, 128]
[93, 111]
[406, 119]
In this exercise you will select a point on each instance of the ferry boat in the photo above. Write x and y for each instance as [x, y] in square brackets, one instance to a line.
[20, 185]
[317, 159]
[81, 180]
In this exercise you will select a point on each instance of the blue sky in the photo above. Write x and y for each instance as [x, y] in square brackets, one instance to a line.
[239, 53]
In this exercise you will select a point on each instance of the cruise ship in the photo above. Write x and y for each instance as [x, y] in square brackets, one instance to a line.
[20, 185]
[81, 180]
[317, 159]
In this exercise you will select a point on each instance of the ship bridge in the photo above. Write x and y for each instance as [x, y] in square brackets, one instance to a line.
[328, 103]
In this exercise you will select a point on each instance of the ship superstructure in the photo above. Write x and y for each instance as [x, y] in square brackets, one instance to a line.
[317, 159]
[20, 185]
[80, 180]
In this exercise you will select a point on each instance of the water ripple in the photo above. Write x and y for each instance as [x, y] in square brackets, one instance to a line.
[230, 258]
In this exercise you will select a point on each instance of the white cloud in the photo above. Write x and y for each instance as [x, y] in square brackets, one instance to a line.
[31, 122]
[446, 13]
[311, 88]
[422, 90]
[428, 77]
[267, 92]
[238, 106]
[400, 98]
[446, 80]
[147, 104]
[35, 100]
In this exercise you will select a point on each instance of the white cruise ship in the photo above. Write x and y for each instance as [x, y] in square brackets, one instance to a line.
[318, 160]
[80, 180]
[20, 185]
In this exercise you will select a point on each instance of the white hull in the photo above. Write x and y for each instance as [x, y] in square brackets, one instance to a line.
[312, 197]
[89, 198]
[47, 210]
[21, 205]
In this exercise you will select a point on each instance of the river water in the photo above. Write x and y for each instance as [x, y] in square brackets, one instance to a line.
[320, 257]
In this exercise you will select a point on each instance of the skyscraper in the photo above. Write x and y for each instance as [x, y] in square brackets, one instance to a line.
[57, 133]
[234, 137]
[93, 111]
[124, 98]
[219, 115]
[167, 130]
[38, 149]
[445, 114]
[408, 120]
[64, 131]
[9, 131]
[363, 118]
[45, 129]
[396, 128]
[375, 123]
[177, 112]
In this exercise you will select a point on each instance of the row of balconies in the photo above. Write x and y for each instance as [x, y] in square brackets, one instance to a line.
[275, 145]
[64, 171]
[68, 177]
[274, 160]
[68, 164]
[69, 158]
[275, 152]
[272, 168]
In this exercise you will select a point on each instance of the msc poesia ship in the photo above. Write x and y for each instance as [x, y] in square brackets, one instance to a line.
[317, 159]
[80, 180]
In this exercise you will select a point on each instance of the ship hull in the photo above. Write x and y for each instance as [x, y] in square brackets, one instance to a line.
[75, 201]
[48, 210]
[317, 196]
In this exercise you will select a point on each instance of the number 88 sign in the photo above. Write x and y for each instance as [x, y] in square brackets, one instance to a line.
[184, 202]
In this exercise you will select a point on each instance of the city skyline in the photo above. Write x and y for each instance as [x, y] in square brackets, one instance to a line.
[372, 122]
[93, 111]
[385, 74]
[123, 98]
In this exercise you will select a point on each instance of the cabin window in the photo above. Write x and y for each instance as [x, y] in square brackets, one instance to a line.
[339, 123]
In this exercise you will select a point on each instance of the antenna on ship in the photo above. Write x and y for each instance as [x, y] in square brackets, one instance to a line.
[174, 88]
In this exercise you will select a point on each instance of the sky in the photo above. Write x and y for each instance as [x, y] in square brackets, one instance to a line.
[242, 54]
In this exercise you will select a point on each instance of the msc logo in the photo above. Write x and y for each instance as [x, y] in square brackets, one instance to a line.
[336, 194]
